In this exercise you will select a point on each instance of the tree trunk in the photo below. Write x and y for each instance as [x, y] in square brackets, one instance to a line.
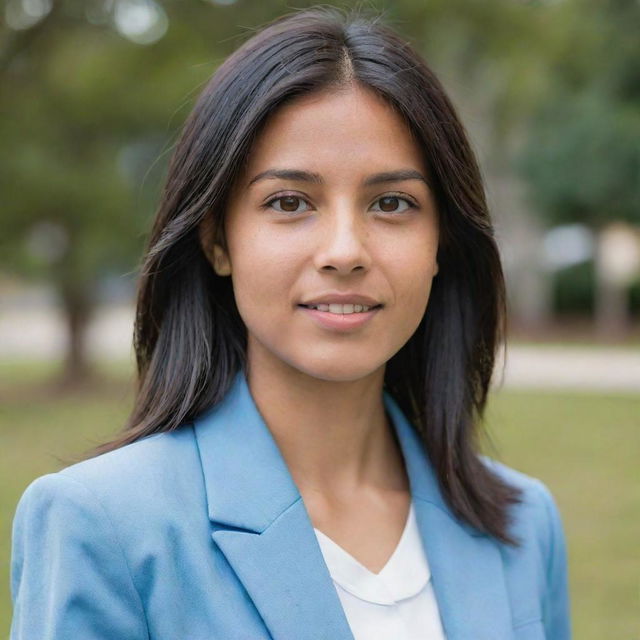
[616, 262]
[612, 310]
[77, 305]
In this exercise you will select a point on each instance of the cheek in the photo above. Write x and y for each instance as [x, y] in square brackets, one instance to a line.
[413, 277]
[263, 272]
[413, 300]
[412, 264]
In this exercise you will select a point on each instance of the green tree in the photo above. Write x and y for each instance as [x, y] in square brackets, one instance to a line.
[582, 156]
[91, 101]
[92, 98]
[583, 153]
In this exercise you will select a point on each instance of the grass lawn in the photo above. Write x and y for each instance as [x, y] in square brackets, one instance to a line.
[585, 447]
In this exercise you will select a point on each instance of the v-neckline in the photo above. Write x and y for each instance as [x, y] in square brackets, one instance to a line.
[350, 558]
[404, 575]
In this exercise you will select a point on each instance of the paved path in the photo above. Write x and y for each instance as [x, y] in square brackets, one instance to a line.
[567, 367]
[36, 334]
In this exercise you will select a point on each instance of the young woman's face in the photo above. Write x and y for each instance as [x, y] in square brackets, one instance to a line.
[333, 209]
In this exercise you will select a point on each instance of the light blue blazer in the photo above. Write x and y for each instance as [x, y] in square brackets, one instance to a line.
[201, 534]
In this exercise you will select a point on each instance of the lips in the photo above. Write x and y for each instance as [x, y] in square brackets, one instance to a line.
[346, 318]
[350, 308]
[341, 298]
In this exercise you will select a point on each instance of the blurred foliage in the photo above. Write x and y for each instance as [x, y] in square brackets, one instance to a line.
[86, 122]
[574, 291]
[634, 297]
[88, 114]
[582, 158]
[574, 288]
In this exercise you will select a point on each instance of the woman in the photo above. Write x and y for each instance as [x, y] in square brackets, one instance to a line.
[317, 319]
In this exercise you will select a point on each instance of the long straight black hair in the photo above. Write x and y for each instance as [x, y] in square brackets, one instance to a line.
[190, 340]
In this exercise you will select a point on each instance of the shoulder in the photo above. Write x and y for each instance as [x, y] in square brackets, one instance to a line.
[536, 500]
[536, 523]
[146, 477]
[109, 516]
[136, 460]
[533, 490]
[541, 555]
[536, 513]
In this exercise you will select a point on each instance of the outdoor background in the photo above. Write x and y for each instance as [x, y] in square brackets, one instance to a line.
[92, 95]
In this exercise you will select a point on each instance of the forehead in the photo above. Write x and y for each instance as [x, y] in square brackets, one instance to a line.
[334, 131]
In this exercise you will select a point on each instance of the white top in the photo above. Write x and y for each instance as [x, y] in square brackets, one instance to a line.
[397, 603]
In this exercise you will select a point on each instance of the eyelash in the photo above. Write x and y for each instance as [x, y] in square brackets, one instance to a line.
[280, 196]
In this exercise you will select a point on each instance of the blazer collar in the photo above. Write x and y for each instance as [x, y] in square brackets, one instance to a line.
[261, 525]
[240, 459]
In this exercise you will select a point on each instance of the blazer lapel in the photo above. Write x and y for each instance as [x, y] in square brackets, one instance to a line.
[466, 566]
[261, 524]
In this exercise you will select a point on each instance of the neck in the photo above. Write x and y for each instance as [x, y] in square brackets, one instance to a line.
[334, 436]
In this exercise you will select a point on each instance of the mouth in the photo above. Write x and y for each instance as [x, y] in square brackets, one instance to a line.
[341, 309]
[342, 317]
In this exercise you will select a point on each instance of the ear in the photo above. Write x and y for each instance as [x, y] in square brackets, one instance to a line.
[221, 263]
[214, 251]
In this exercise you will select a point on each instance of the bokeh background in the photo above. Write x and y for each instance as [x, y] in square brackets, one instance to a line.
[92, 95]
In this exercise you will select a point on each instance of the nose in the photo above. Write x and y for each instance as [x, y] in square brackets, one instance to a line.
[342, 245]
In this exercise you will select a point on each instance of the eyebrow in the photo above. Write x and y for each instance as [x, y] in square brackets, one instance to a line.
[315, 178]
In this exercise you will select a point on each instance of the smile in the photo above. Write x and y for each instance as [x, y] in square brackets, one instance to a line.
[341, 320]
[340, 309]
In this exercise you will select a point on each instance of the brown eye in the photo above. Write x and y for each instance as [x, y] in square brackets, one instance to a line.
[390, 204]
[288, 204]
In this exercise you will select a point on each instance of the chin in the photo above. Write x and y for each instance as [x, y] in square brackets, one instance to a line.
[338, 371]
[330, 363]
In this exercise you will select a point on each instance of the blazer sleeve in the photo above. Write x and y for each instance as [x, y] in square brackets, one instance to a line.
[556, 604]
[69, 575]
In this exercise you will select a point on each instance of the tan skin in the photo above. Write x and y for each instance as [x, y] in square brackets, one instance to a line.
[290, 240]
